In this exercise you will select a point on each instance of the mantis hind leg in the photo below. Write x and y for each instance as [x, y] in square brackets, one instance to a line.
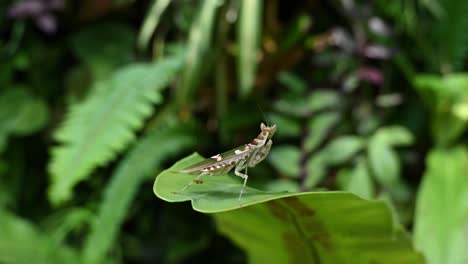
[191, 182]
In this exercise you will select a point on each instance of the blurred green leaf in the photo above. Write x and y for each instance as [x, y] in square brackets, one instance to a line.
[316, 169]
[104, 47]
[250, 17]
[297, 31]
[197, 50]
[318, 127]
[446, 129]
[343, 148]
[151, 22]
[292, 81]
[304, 105]
[286, 159]
[442, 94]
[357, 180]
[21, 242]
[119, 105]
[442, 208]
[395, 136]
[62, 223]
[439, 87]
[3, 142]
[448, 43]
[460, 110]
[20, 113]
[384, 162]
[182, 248]
[137, 165]
[290, 127]
[6, 193]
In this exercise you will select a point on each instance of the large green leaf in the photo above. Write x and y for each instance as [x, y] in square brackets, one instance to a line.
[281, 227]
[441, 222]
[104, 124]
[322, 227]
[217, 193]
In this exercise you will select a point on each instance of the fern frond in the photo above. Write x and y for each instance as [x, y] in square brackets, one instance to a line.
[144, 158]
[104, 124]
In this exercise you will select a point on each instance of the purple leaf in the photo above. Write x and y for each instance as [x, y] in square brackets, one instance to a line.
[371, 74]
[376, 52]
[26, 8]
[47, 23]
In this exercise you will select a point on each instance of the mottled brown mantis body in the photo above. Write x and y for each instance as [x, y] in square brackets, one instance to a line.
[239, 158]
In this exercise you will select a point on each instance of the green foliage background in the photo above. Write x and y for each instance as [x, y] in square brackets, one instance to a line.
[100, 99]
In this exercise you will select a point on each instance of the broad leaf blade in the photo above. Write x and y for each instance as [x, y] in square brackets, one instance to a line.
[442, 208]
[321, 227]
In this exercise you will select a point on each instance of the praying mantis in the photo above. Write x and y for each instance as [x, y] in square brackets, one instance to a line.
[239, 158]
